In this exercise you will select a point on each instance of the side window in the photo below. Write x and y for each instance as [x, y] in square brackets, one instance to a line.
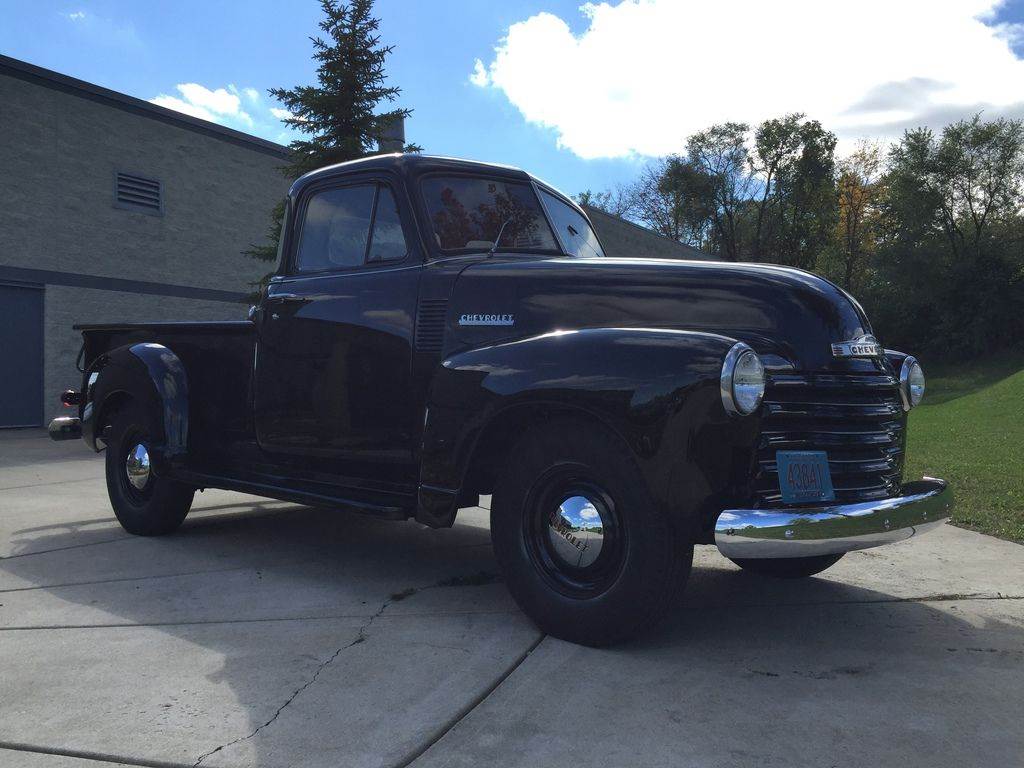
[336, 229]
[574, 233]
[388, 241]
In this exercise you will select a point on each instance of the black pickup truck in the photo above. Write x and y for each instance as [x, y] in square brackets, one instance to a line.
[438, 329]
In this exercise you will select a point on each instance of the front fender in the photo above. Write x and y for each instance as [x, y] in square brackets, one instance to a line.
[658, 390]
[151, 373]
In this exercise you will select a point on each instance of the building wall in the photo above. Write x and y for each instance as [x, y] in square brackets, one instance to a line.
[622, 238]
[59, 152]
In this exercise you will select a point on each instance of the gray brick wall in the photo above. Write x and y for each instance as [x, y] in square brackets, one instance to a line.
[58, 156]
[60, 153]
[64, 306]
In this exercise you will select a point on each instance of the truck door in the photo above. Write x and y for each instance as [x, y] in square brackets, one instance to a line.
[334, 351]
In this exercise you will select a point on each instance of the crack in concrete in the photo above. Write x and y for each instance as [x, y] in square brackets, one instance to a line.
[48, 483]
[941, 598]
[360, 638]
[261, 620]
[62, 549]
[474, 580]
[85, 754]
[150, 577]
[448, 727]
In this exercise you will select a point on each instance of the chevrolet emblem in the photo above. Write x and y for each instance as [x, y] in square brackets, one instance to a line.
[865, 346]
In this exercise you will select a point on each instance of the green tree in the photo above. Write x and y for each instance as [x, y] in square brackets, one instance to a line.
[808, 193]
[965, 182]
[793, 167]
[338, 117]
[720, 154]
[616, 202]
[766, 198]
[950, 270]
[858, 190]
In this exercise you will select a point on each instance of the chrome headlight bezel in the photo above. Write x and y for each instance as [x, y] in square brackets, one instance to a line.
[734, 405]
[910, 392]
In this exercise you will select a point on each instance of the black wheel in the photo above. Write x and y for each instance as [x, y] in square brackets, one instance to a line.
[789, 567]
[145, 505]
[583, 549]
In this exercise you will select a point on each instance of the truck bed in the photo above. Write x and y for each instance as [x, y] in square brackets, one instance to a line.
[218, 360]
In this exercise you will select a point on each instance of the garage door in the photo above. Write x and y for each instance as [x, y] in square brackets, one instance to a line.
[21, 353]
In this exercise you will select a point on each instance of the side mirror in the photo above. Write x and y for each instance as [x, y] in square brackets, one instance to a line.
[253, 311]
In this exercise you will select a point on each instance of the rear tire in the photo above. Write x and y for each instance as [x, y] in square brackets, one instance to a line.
[144, 504]
[581, 544]
[789, 567]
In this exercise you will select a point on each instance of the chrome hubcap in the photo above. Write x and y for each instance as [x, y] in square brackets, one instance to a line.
[137, 466]
[576, 531]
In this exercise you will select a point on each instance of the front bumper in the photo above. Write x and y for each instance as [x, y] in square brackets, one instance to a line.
[831, 529]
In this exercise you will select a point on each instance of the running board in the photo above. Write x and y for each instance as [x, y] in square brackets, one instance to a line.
[310, 498]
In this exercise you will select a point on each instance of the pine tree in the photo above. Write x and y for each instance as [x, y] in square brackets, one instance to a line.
[337, 116]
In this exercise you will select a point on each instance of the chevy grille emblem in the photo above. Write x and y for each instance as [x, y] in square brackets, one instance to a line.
[865, 346]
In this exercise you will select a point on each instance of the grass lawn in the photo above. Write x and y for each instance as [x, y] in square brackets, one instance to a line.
[969, 430]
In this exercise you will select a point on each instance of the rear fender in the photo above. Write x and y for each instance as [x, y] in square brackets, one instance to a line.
[657, 390]
[151, 374]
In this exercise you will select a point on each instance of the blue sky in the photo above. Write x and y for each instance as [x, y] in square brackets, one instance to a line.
[582, 98]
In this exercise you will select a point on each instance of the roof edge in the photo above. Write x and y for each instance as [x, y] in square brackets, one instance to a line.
[47, 77]
[590, 210]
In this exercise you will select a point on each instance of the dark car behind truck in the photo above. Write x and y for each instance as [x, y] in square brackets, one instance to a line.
[439, 329]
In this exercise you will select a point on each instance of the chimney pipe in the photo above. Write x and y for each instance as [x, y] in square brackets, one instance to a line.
[392, 137]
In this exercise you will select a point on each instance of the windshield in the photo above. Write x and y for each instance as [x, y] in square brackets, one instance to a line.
[469, 212]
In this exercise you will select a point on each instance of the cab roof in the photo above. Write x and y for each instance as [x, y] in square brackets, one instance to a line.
[408, 164]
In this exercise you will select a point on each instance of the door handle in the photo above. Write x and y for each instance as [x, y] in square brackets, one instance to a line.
[284, 299]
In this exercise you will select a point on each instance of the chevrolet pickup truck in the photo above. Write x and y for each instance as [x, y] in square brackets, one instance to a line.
[438, 329]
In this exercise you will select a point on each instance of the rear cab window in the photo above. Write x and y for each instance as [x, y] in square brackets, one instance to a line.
[473, 213]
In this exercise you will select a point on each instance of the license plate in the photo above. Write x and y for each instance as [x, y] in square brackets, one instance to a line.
[804, 476]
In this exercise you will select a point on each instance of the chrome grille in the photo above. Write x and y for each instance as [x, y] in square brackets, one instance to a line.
[857, 418]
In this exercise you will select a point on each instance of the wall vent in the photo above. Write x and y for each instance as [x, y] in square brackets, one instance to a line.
[137, 193]
[430, 325]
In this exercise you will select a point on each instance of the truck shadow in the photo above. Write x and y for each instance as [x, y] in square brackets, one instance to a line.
[237, 573]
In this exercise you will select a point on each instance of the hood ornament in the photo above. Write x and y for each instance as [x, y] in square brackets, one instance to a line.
[865, 346]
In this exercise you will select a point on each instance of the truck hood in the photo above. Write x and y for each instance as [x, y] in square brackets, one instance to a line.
[789, 316]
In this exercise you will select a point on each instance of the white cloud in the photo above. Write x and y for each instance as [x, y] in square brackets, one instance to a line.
[217, 106]
[644, 75]
[587, 511]
[479, 77]
[98, 29]
[226, 107]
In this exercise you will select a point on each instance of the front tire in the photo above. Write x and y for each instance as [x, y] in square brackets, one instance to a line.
[144, 504]
[788, 567]
[581, 544]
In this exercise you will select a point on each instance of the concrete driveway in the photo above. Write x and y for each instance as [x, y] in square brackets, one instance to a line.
[269, 634]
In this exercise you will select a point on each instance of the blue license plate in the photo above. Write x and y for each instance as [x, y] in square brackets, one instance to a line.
[804, 476]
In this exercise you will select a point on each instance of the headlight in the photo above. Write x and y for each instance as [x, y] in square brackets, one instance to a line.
[911, 383]
[742, 380]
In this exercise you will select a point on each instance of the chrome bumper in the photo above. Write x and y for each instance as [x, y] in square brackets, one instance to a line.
[65, 428]
[830, 529]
